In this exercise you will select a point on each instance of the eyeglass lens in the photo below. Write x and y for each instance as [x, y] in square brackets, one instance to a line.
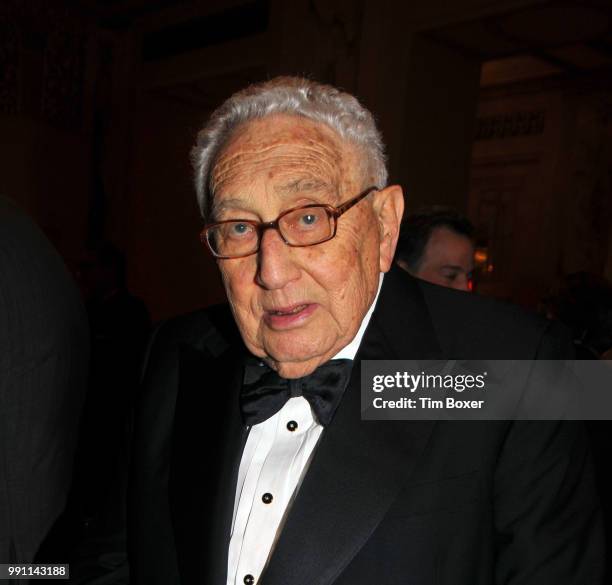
[300, 227]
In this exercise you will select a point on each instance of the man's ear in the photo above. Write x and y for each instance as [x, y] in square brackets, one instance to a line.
[389, 207]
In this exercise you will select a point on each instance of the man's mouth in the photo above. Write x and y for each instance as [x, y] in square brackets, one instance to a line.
[290, 316]
[292, 311]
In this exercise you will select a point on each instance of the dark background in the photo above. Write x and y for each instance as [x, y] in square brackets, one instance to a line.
[501, 108]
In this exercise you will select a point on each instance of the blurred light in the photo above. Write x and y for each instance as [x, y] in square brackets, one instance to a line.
[481, 255]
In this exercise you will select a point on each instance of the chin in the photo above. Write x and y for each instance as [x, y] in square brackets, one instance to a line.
[296, 369]
[298, 351]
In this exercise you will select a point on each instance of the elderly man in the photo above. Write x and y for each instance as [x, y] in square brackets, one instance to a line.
[252, 463]
[437, 245]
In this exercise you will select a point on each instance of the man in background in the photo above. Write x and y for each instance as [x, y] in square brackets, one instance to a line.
[44, 347]
[436, 244]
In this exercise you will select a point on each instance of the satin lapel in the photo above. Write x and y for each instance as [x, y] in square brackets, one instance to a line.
[208, 442]
[359, 466]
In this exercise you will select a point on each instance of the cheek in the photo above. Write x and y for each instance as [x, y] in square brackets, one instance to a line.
[241, 293]
[348, 273]
[228, 277]
[364, 251]
[238, 285]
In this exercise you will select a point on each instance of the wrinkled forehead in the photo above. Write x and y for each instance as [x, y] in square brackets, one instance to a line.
[284, 152]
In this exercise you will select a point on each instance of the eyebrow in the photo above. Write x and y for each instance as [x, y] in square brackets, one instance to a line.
[232, 203]
[303, 184]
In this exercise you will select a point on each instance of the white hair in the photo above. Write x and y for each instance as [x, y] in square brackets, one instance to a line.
[294, 96]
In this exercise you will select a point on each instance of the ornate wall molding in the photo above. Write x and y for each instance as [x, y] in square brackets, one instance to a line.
[510, 125]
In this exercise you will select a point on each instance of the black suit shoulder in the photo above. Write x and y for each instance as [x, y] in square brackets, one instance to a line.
[211, 330]
[493, 329]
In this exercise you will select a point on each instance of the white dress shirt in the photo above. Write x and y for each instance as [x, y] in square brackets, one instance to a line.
[274, 461]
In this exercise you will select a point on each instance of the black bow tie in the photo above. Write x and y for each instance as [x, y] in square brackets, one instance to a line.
[264, 392]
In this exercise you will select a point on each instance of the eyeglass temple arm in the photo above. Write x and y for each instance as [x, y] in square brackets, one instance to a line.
[351, 202]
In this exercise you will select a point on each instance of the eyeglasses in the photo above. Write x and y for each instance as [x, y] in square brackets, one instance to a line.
[307, 225]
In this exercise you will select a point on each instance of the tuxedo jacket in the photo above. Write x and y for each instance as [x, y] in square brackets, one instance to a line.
[385, 502]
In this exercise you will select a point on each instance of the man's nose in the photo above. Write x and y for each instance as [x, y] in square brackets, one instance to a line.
[275, 264]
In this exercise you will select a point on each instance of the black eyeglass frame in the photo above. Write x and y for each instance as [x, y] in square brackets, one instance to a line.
[261, 227]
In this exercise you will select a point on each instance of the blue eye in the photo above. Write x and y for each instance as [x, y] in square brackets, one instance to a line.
[309, 219]
[239, 230]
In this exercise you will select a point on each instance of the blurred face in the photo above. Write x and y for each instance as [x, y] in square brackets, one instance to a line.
[448, 259]
[297, 307]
